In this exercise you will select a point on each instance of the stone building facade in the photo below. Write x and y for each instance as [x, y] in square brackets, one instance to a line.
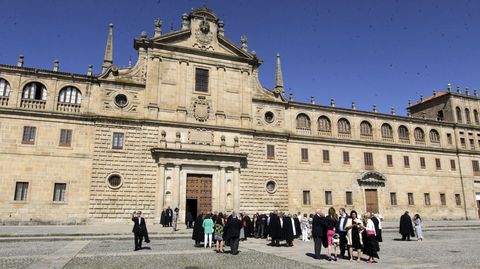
[191, 126]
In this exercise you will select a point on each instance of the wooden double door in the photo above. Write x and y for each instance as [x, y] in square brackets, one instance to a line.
[371, 200]
[199, 194]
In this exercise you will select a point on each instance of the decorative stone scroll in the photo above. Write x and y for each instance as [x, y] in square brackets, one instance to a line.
[371, 179]
[200, 136]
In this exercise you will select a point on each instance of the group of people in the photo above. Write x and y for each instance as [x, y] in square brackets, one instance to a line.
[169, 218]
[406, 227]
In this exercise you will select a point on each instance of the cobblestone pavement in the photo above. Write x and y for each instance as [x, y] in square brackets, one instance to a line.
[440, 249]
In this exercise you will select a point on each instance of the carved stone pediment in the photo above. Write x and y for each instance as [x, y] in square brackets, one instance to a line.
[371, 179]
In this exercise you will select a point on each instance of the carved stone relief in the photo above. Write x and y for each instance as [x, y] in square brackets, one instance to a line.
[200, 136]
[201, 109]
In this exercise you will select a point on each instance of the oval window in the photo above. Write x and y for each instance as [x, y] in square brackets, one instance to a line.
[114, 181]
[121, 100]
[271, 186]
[269, 117]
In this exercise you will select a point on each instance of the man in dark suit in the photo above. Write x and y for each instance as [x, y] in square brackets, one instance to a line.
[342, 221]
[169, 216]
[232, 232]
[319, 232]
[139, 229]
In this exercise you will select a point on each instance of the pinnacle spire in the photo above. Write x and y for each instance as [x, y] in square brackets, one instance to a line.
[279, 76]
[108, 58]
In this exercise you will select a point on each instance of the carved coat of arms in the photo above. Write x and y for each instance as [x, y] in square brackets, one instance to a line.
[201, 110]
[203, 35]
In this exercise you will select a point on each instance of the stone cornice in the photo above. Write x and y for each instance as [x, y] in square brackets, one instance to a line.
[44, 72]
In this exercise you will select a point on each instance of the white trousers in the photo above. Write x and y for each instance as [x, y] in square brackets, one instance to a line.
[305, 234]
[209, 238]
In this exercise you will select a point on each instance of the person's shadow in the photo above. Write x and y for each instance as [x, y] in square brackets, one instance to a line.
[148, 248]
[312, 255]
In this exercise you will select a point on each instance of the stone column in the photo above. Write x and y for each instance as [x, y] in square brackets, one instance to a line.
[152, 85]
[160, 191]
[222, 194]
[246, 98]
[220, 113]
[236, 189]
[182, 90]
[182, 187]
[176, 186]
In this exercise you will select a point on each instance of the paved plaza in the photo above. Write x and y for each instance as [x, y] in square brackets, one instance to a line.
[441, 249]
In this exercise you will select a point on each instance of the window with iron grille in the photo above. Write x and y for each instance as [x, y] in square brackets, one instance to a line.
[406, 161]
[368, 159]
[422, 163]
[59, 192]
[346, 157]
[21, 190]
[304, 155]
[393, 198]
[427, 198]
[348, 198]
[117, 141]
[452, 165]
[270, 152]
[29, 135]
[328, 197]
[438, 164]
[65, 138]
[476, 168]
[443, 199]
[410, 199]
[326, 156]
[389, 160]
[306, 198]
[201, 80]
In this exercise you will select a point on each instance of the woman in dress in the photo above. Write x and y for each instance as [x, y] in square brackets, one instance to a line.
[418, 226]
[305, 225]
[218, 235]
[354, 229]
[370, 244]
[332, 220]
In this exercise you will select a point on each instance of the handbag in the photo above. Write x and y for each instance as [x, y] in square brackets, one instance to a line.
[370, 232]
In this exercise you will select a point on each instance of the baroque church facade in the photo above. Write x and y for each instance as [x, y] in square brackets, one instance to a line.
[191, 126]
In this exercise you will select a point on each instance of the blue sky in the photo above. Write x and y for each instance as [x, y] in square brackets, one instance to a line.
[371, 52]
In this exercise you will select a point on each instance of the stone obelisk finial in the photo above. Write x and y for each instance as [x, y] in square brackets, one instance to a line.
[108, 58]
[279, 77]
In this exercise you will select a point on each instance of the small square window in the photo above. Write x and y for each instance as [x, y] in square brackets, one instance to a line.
[270, 152]
[29, 135]
[328, 197]
[65, 138]
[306, 198]
[21, 190]
[59, 192]
[117, 142]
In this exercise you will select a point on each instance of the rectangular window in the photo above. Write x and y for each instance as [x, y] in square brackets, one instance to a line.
[328, 197]
[117, 141]
[422, 163]
[458, 201]
[270, 152]
[462, 142]
[406, 161]
[427, 198]
[306, 198]
[65, 138]
[59, 192]
[452, 165]
[29, 135]
[389, 160]
[201, 80]
[368, 158]
[393, 198]
[346, 157]
[410, 199]
[443, 199]
[476, 168]
[349, 198]
[449, 139]
[438, 164]
[21, 189]
[326, 156]
[304, 155]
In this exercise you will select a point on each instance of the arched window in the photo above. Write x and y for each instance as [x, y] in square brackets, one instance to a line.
[419, 134]
[343, 126]
[475, 117]
[4, 88]
[467, 116]
[70, 95]
[303, 121]
[434, 136]
[459, 114]
[403, 133]
[365, 128]
[387, 131]
[34, 91]
[324, 124]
